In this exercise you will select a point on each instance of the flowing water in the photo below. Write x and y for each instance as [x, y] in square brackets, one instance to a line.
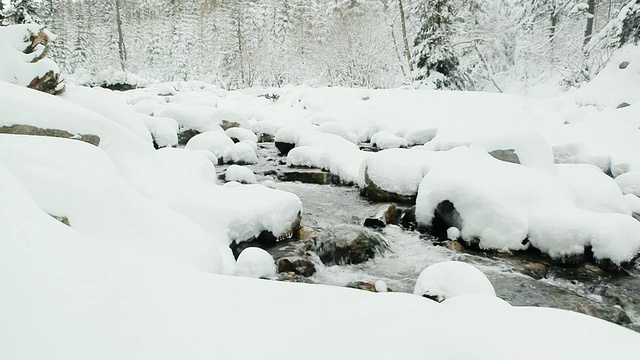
[613, 298]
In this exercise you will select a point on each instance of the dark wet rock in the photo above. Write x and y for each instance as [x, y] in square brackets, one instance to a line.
[266, 239]
[368, 147]
[366, 286]
[262, 138]
[456, 246]
[118, 86]
[535, 270]
[284, 147]
[184, 135]
[446, 216]
[226, 125]
[309, 176]
[373, 192]
[296, 264]
[408, 219]
[62, 219]
[623, 105]
[36, 131]
[636, 216]
[293, 278]
[348, 244]
[508, 155]
[623, 65]
[384, 215]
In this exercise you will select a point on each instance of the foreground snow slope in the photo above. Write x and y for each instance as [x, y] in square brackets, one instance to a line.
[69, 297]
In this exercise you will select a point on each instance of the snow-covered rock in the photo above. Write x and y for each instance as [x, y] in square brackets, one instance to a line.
[629, 183]
[163, 130]
[194, 117]
[241, 153]
[240, 174]
[256, 263]
[449, 279]
[337, 129]
[386, 140]
[216, 142]
[241, 134]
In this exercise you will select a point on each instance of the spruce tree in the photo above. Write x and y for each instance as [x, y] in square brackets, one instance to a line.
[631, 25]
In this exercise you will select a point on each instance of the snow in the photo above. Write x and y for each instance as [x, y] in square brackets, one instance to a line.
[216, 142]
[449, 279]
[386, 140]
[241, 153]
[629, 183]
[633, 202]
[256, 263]
[163, 130]
[398, 170]
[559, 210]
[337, 129]
[196, 117]
[240, 174]
[453, 233]
[241, 134]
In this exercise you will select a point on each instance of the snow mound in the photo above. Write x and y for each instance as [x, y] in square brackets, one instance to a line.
[216, 142]
[256, 263]
[240, 174]
[453, 233]
[386, 140]
[397, 170]
[196, 117]
[629, 183]
[241, 153]
[420, 136]
[337, 129]
[163, 130]
[450, 279]
[309, 156]
[633, 202]
[241, 134]
[506, 206]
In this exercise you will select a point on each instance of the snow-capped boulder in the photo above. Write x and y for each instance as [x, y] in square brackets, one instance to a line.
[238, 134]
[256, 263]
[337, 129]
[216, 142]
[629, 183]
[387, 140]
[240, 174]
[450, 279]
[163, 130]
[241, 154]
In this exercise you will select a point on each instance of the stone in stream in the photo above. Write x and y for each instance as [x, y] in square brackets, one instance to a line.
[263, 138]
[384, 215]
[309, 176]
[296, 264]
[184, 135]
[367, 286]
[373, 192]
[507, 155]
[348, 244]
[36, 131]
[226, 125]
[408, 219]
[284, 147]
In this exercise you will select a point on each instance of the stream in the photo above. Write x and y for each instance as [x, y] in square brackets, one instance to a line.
[585, 289]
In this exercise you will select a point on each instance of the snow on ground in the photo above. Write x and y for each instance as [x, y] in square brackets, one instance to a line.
[629, 183]
[446, 280]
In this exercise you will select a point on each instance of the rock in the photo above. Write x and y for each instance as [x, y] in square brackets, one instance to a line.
[623, 65]
[445, 217]
[508, 155]
[262, 138]
[62, 219]
[366, 286]
[310, 177]
[623, 105]
[456, 246]
[384, 215]
[306, 234]
[226, 125]
[36, 131]
[375, 193]
[535, 270]
[296, 264]
[118, 86]
[284, 147]
[408, 219]
[348, 244]
[266, 240]
[38, 46]
[184, 135]
[293, 278]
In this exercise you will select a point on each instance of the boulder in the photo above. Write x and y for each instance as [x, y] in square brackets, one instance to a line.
[284, 147]
[623, 105]
[348, 244]
[383, 216]
[623, 65]
[296, 264]
[184, 135]
[262, 137]
[508, 155]
[36, 131]
[373, 192]
[408, 219]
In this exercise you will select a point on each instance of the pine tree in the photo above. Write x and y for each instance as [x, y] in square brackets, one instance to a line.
[436, 62]
[20, 12]
[631, 25]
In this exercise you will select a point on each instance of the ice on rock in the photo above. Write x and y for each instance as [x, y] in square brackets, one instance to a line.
[629, 183]
[240, 174]
[241, 153]
[256, 263]
[216, 142]
[241, 134]
[449, 279]
[386, 140]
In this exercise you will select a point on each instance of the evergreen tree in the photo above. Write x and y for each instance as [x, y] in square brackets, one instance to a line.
[20, 12]
[436, 62]
[630, 31]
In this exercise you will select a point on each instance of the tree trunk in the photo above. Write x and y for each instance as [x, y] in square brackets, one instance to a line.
[591, 11]
[407, 51]
[121, 45]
